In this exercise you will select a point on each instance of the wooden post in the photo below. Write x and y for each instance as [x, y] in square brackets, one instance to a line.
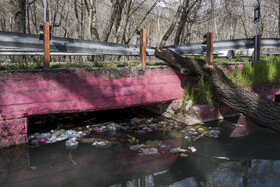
[209, 51]
[259, 47]
[46, 45]
[143, 46]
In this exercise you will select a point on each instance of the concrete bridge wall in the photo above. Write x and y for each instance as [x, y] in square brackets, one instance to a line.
[32, 92]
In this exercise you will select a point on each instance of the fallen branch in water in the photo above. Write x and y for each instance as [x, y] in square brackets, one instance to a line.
[70, 157]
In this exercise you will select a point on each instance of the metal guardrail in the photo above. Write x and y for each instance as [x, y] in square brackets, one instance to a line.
[27, 44]
[200, 49]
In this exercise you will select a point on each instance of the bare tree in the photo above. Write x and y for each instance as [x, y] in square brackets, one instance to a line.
[185, 17]
[18, 11]
[91, 9]
[173, 24]
[117, 8]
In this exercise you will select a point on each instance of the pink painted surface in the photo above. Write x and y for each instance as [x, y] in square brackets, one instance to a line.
[55, 91]
[33, 92]
[205, 113]
[231, 67]
[245, 127]
[13, 132]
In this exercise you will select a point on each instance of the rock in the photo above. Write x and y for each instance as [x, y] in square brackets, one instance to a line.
[177, 104]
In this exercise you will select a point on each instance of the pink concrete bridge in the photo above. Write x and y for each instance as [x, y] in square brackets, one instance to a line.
[25, 93]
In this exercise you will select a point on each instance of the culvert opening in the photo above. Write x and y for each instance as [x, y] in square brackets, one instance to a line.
[130, 125]
[47, 122]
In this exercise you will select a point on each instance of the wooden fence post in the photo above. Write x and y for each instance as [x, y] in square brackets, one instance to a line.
[46, 45]
[209, 51]
[143, 46]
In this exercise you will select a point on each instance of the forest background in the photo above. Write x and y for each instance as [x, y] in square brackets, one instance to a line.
[118, 21]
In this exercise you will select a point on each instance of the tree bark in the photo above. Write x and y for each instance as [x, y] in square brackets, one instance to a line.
[259, 109]
[19, 15]
[116, 13]
[172, 25]
[91, 9]
[278, 18]
[187, 7]
[143, 19]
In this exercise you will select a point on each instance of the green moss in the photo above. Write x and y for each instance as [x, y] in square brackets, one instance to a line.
[19, 63]
[132, 63]
[156, 63]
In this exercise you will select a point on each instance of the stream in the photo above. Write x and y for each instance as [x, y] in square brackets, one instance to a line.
[248, 159]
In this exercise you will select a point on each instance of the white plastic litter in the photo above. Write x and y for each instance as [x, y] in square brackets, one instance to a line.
[112, 128]
[153, 150]
[136, 147]
[71, 142]
[192, 149]
[237, 125]
[101, 144]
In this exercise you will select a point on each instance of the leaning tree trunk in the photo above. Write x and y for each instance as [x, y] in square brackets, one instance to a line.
[259, 109]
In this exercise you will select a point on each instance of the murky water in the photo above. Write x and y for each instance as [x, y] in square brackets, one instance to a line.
[251, 160]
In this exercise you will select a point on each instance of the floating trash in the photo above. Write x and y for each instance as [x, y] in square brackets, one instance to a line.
[150, 151]
[112, 128]
[102, 144]
[184, 155]
[237, 125]
[154, 150]
[178, 150]
[188, 138]
[144, 130]
[202, 129]
[214, 128]
[85, 140]
[135, 121]
[192, 149]
[212, 133]
[71, 143]
[163, 146]
[136, 147]
[150, 120]
[55, 136]
[155, 143]
[43, 140]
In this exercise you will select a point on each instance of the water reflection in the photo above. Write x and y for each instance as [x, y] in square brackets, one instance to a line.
[251, 160]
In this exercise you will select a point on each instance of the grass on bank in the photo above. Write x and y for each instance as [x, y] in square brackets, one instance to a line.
[263, 73]
[38, 63]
